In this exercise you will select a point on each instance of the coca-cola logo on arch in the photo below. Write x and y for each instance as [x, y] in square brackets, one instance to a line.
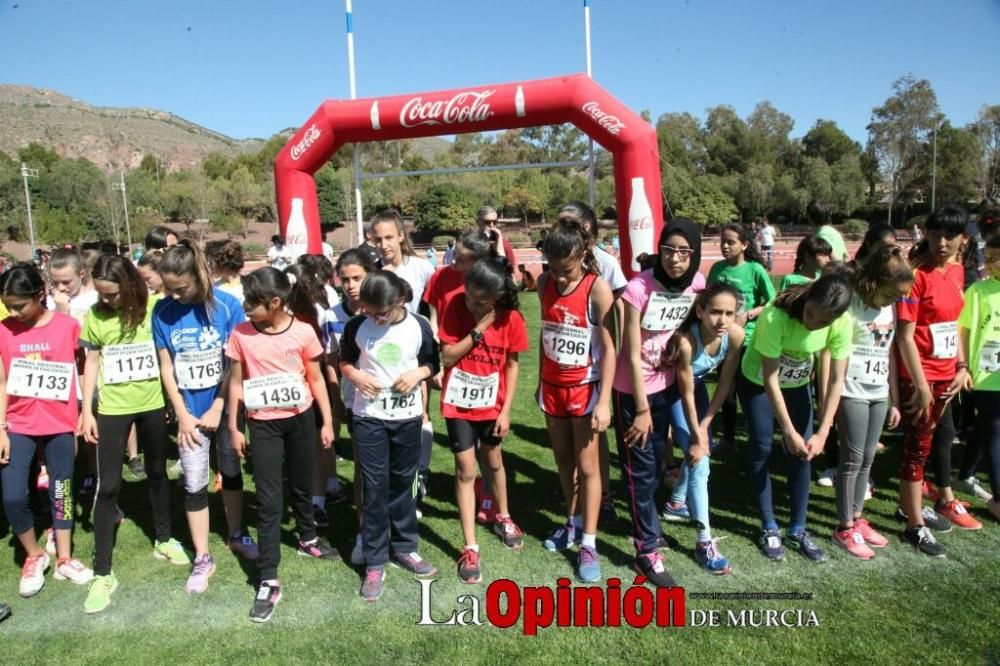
[470, 106]
[307, 140]
[610, 122]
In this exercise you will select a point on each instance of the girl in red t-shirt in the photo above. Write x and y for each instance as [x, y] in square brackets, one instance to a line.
[932, 371]
[577, 372]
[481, 335]
[38, 408]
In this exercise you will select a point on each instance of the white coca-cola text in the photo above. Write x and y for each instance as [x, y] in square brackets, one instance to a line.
[464, 107]
[640, 223]
[613, 124]
[307, 140]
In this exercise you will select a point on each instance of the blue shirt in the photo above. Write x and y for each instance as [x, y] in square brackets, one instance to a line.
[180, 328]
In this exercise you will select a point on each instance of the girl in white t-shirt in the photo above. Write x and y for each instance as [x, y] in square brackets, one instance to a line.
[393, 242]
[881, 280]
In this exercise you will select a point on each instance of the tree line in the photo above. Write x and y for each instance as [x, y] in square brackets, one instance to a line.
[714, 170]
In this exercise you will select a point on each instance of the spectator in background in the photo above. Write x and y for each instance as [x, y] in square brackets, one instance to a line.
[432, 256]
[765, 238]
[916, 235]
[279, 256]
[327, 250]
[449, 253]
[821, 216]
[139, 251]
[486, 219]
[160, 238]
[369, 248]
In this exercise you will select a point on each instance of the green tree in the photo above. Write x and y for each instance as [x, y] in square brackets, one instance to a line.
[987, 129]
[958, 166]
[828, 142]
[898, 129]
[38, 156]
[446, 207]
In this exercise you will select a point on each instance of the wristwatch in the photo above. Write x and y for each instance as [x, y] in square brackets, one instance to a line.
[476, 336]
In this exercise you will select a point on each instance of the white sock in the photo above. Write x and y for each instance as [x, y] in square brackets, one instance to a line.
[474, 547]
[589, 540]
[319, 501]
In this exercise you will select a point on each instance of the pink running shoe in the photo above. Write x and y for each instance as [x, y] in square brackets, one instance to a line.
[852, 541]
[871, 537]
[202, 570]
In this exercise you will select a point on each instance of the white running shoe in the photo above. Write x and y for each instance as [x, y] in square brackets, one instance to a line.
[971, 486]
[826, 477]
[33, 575]
[73, 570]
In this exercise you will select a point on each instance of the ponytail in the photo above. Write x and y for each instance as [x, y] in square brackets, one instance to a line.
[494, 278]
[569, 237]
[186, 258]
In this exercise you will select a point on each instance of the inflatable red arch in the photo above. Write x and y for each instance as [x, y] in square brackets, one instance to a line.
[574, 99]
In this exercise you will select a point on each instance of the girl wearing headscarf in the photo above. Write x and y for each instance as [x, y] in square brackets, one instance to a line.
[656, 302]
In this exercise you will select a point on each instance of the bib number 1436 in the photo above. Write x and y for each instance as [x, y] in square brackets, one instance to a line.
[281, 390]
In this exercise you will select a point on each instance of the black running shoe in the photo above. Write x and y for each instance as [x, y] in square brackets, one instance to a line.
[803, 543]
[770, 544]
[651, 566]
[319, 548]
[923, 540]
[268, 596]
[931, 519]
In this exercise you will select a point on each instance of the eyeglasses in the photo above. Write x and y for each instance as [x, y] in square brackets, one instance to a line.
[682, 252]
[488, 222]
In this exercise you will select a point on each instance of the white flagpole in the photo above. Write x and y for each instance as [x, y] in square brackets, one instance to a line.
[357, 148]
[592, 174]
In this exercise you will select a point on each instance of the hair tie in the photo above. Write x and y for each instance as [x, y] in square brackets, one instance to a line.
[292, 278]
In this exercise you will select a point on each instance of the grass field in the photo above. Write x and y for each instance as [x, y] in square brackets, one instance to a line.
[899, 608]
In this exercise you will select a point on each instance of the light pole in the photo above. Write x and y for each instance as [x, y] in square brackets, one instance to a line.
[27, 173]
[937, 126]
[128, 229]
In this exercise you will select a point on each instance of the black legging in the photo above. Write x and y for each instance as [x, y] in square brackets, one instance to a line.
[113, 433]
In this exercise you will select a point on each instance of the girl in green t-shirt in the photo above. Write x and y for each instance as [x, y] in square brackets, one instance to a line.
[812, 254]
[979, 336]
[801, 322]
[122, 359]
[742, 268]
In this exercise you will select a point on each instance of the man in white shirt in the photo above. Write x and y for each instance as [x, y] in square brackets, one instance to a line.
[279, 255]
[765, 238]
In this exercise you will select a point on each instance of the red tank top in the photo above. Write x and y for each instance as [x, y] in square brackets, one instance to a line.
[571, 342]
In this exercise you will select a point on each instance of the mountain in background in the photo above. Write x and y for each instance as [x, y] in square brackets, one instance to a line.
[116, 139]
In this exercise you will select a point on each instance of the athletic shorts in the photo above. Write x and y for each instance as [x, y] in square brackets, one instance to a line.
[565, 402]
[463, 434]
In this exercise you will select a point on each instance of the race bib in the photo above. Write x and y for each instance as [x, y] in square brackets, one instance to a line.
[989, 356]
[869, 366]
[665, 312]
[392, 405]
[566, 344]
[472, 391]
[129, 363]
[278, 391]
[47, 380]
[792, 372]
[945, 336]
[198, 369]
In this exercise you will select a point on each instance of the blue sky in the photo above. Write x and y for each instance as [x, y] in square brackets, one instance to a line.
[252, 68]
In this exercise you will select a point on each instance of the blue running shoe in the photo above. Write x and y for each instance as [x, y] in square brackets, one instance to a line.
[771, 546]
[708, 556]
[561, 539]
[676, 513]
[588, 569]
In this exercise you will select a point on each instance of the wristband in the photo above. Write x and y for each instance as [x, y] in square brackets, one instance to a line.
[961, 366]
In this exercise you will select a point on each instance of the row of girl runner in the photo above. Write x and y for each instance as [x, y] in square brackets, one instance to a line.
[274, 362]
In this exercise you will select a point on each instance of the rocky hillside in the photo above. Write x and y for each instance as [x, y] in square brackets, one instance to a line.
[109, 137]
[116, 139]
